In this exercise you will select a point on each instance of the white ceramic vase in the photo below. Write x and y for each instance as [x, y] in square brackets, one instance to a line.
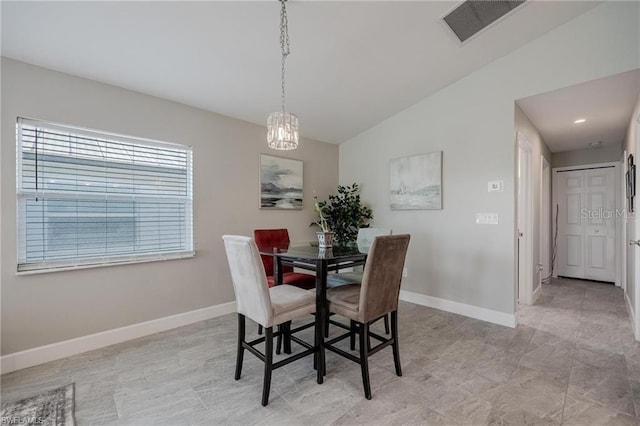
[325, 239]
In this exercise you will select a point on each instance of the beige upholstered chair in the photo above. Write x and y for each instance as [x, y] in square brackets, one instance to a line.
[268, 307]
[377, 296]
[367, 235]
[364, 241]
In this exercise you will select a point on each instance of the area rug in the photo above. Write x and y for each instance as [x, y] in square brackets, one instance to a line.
[51, 408]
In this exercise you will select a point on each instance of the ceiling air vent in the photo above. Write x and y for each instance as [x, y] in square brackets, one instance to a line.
[473, 16]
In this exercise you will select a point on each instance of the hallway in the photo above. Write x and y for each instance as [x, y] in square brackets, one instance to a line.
[583, 333]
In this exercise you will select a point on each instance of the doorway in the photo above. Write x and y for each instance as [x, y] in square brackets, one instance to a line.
[633, 254]
[546, 265]
[525, 222]
[586, 198]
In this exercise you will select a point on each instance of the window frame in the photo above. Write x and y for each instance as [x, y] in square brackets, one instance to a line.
[22, 195]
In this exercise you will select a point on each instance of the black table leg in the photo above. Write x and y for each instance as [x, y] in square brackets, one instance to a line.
[277, 268]
[321, 313]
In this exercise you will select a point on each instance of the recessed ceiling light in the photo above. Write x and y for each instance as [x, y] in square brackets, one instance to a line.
[580, 120]
[595, 144]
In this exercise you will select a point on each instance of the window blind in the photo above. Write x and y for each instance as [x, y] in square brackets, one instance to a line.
[91, 198]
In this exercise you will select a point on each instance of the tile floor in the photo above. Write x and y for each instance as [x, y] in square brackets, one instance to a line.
[572, 360]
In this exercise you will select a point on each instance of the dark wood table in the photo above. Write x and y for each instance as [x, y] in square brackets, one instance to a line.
[321, 261]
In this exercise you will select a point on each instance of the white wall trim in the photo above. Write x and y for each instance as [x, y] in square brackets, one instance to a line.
[585, 166]
[545, 221]
[483, 314]
[524, 223]
[622, 246]
[58, 350]
[536, 293]
[631, 314]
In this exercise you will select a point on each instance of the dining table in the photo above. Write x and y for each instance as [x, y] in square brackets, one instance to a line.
[321, 261]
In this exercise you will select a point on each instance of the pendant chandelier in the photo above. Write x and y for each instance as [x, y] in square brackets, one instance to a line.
[282, 126]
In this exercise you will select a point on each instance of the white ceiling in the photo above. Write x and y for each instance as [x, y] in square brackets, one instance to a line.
[352, 64]
[606, 104]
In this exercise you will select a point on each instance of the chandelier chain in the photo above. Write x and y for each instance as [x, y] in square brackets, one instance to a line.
[284, 43]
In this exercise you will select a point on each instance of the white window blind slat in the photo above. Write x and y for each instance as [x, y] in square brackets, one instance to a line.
[91, 198]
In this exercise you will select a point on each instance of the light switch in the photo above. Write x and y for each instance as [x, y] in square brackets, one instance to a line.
[496, 186]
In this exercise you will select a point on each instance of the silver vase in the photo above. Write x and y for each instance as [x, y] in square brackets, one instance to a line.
[325, 239]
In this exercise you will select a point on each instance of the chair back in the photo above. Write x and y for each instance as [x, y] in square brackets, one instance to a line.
[367, 235]
[267, 239]
[382, 276]
[249, 280]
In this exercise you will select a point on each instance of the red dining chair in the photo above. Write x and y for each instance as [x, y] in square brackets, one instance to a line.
[267, 239]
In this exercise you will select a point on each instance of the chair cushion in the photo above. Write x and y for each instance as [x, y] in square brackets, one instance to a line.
[289, 298]
[297, 279]
[344, 300]
[345, 278]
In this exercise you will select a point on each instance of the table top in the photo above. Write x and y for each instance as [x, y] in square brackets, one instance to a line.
[313, 252]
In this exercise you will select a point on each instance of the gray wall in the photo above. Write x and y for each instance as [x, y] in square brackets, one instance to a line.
[581, 157]
[472, 122]
[51, 307]
[539, 149]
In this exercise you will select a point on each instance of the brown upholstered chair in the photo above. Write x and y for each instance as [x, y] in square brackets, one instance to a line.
[365, 239]
[377, 296]
[267, 306]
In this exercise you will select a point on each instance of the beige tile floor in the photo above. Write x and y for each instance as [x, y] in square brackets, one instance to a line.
[572, 360]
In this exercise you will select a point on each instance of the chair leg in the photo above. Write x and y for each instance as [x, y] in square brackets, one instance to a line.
[240, 354]
[268, 364]
[259, 329]
[352, 337]
[287, 337]
[394, 336]
[279, 339]
[364, 359]
[386, 324]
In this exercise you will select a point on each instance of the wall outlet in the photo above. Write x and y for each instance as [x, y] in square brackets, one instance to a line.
[487, 218]
[404, 273]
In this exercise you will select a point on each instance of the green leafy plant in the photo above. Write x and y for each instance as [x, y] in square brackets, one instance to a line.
[345, 213]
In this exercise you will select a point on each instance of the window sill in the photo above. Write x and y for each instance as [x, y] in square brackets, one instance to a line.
[100, 263]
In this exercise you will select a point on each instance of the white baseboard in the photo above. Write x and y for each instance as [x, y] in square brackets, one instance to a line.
[58, 350]
[496, 317]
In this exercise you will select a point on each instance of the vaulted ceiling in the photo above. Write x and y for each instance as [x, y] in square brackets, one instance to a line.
[352, 63]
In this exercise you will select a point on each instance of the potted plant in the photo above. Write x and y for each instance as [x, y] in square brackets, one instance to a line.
[344, 213]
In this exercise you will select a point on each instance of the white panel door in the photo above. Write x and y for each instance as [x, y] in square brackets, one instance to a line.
[586, 224]
[570, 233]
[599, 225]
